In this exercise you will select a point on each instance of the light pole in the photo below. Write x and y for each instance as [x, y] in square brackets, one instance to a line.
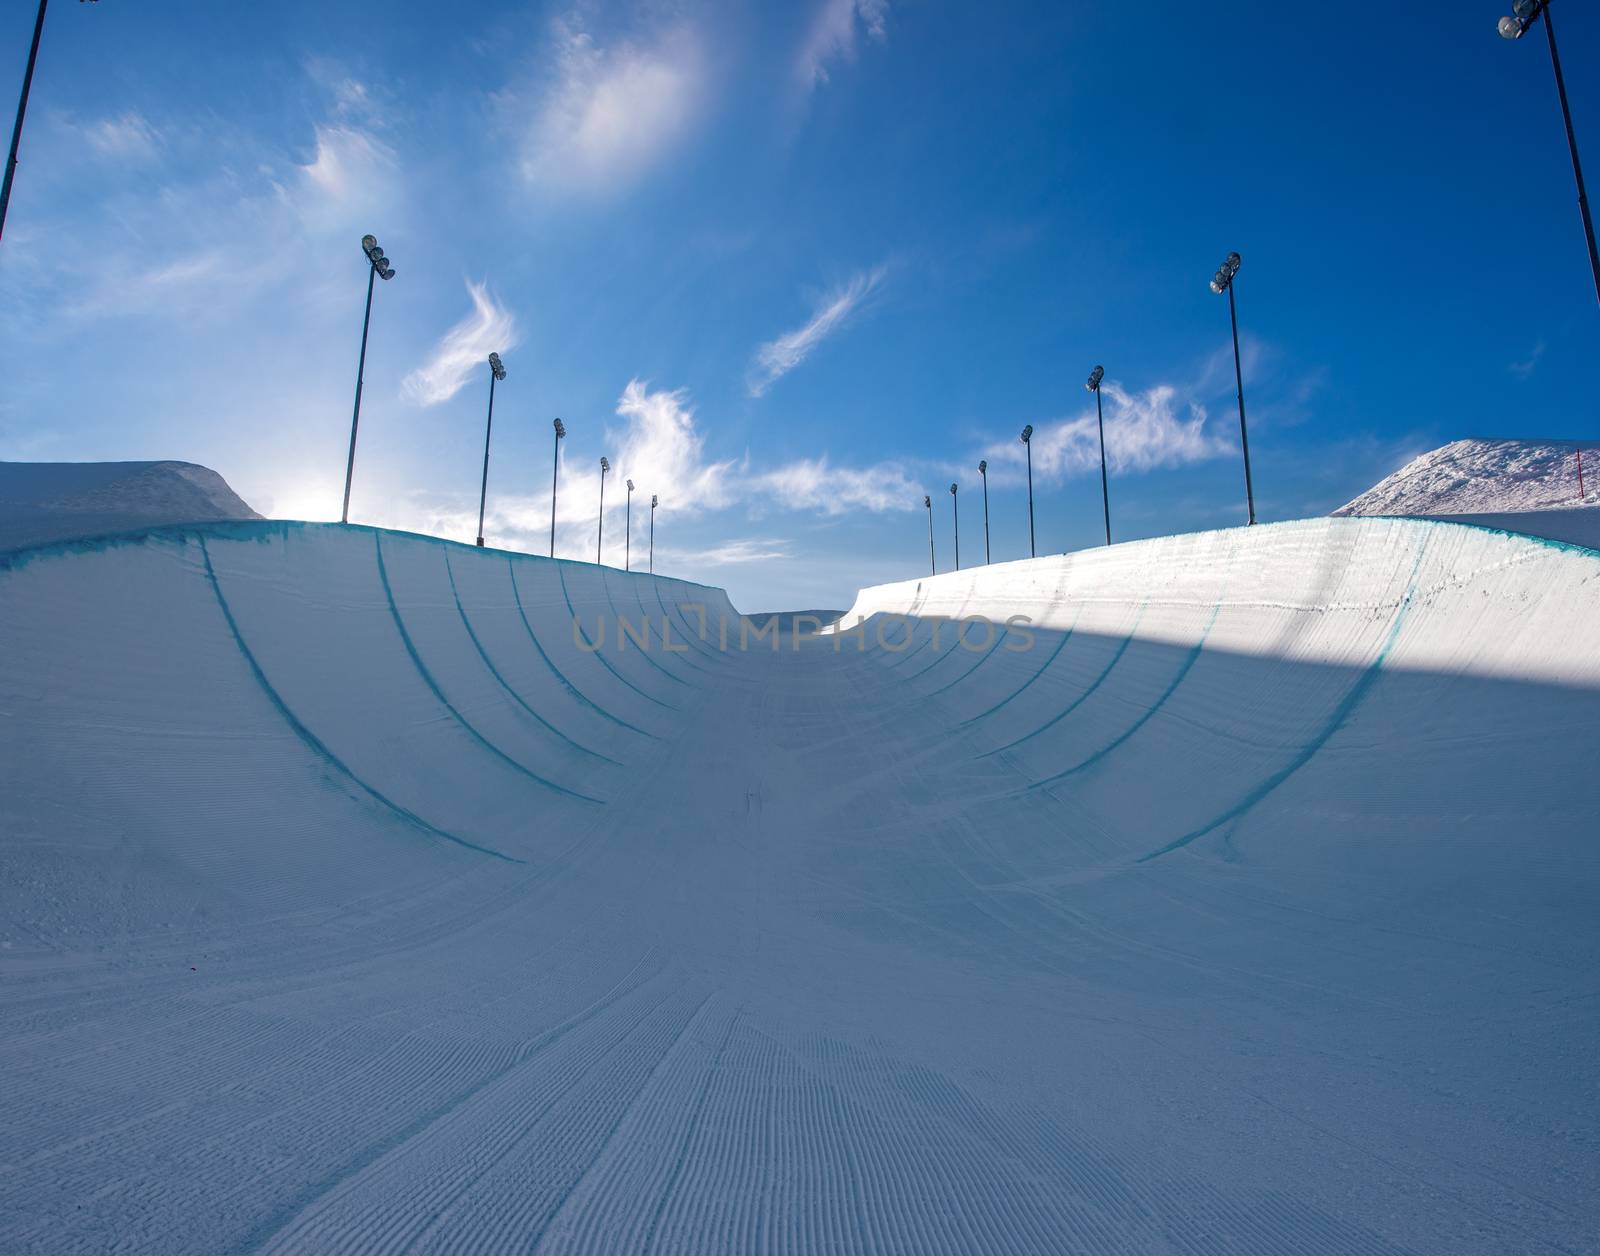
[377, 264]
[600, 533]
[956, 510]
[1222, 281]
[983, 470]
[1027, 443]
[653, 501]
[496, 372]
[1524, 14]
[1095, 376]
[627, 542]
[933, 565]
[22, 112]
[555, 472]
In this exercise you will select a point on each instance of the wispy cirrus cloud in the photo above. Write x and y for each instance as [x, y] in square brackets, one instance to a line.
[490, 328]
[1144, 431]
[738, 552]
[816, 484]
[127, 137]
[778, 357]
[1526, 366]
[833, 36]
[604, 115]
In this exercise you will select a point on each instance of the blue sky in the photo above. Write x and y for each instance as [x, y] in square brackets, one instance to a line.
[791, 266]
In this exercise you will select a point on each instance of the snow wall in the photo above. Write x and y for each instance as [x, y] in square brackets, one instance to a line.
[1200, 674]
[275, 713]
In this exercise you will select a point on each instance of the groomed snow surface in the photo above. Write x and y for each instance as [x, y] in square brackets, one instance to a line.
[350, 904]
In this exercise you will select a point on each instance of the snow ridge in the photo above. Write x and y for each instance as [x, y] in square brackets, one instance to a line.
[1486, 476]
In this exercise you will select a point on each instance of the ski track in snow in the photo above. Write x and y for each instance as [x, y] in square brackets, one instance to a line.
[352, 901]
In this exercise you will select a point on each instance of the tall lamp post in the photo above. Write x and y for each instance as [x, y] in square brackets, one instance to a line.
[496, 372]
[653, 501]
[983, 470]
[1027, 443]
[1221, 282]
[22, 112]
[627, 543]
[555, 473]
[600, 532]
[956, 510]
[933, 565]
[377, 265]
[1524, 13]
[1095, 376]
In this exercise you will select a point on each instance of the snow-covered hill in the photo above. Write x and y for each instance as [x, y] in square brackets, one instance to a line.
[42, 502]
[1479, 476]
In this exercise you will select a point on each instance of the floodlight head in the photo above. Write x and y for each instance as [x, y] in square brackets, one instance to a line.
[1027, 434]
[604, 466]
[1510, 28]
[653, 500]
[630, 486]
[952, 490]
[927, 501]
[983, 466]
[561, 429]
[368, 243]
[1225, 273]
[387, 273]
[1095, 376]
[1527, 10]
[495, 366]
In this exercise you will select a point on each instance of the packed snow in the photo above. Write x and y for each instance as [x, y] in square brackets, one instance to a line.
[1241, 898]
[56, 501]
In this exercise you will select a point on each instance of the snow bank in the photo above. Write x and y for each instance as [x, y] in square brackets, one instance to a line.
[42, 502]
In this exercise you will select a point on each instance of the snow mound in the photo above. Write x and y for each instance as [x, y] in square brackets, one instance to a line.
[41, 502]
[1479, 476]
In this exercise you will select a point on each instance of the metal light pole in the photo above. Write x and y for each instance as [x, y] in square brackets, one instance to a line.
[22, 112]
[627, 543]
[1095, 376]
[377, 264]
[983, 470]
[653, 500]
[1027, 442]
[496, 372]
[600, 533]
[1222, 281]
[1524, 14]
[555, 472]
[933, 565]
[956, 509]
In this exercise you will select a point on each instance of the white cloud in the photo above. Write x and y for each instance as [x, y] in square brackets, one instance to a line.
[611, 113]
[735, 553]
[1144, 431]
[490, 328]
[660, 448]
[815, 484]
[777, 358]
[127, 137]
[352, 175]
[833, 36]
[1525, 368]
